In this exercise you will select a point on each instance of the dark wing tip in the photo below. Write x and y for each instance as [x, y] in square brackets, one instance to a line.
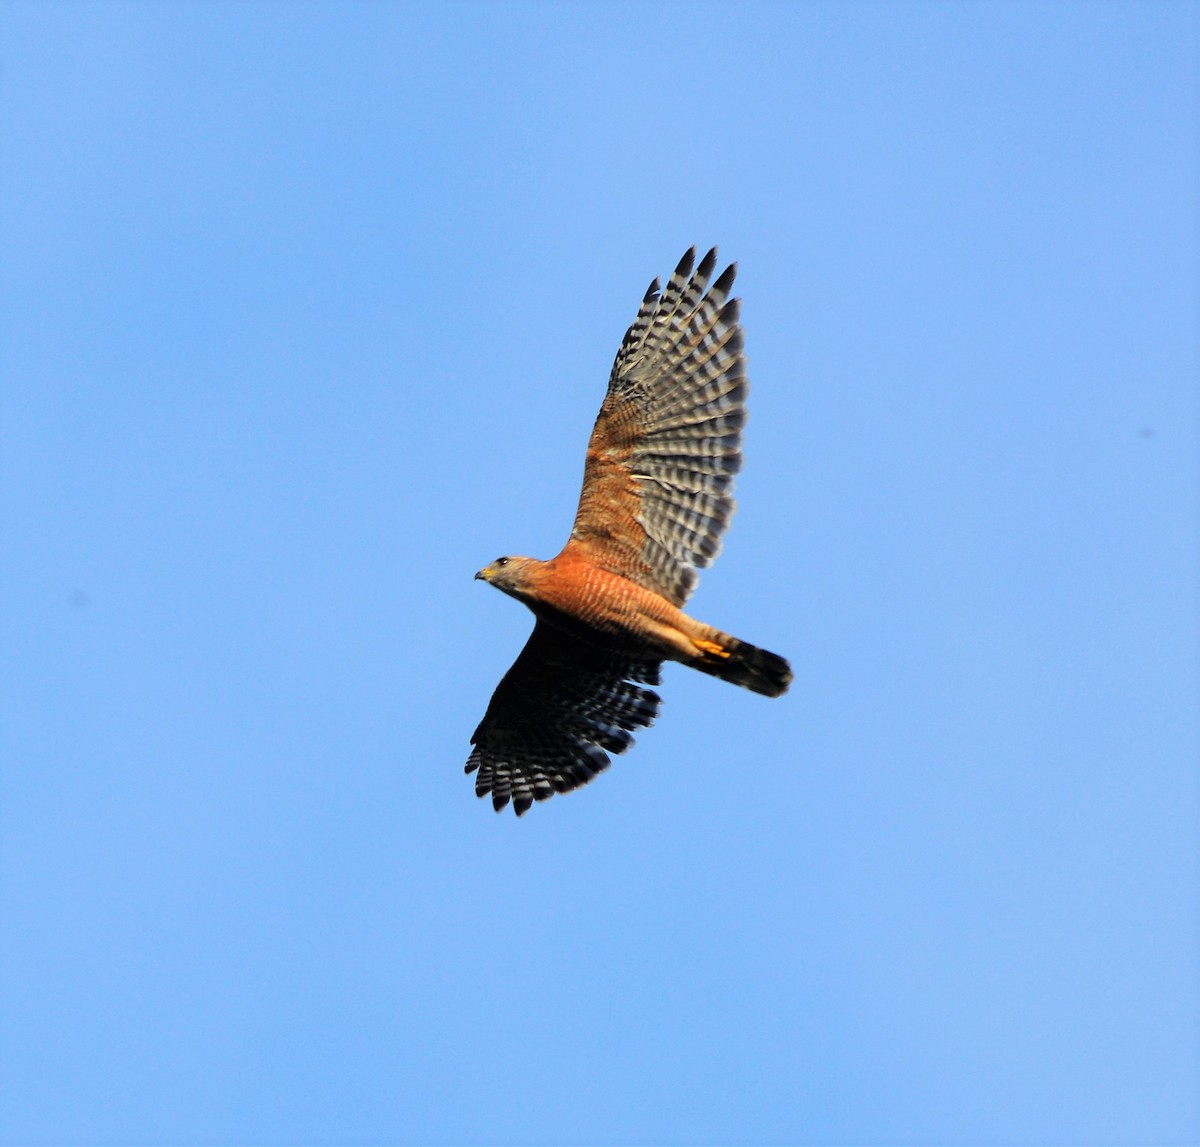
[684, 269]
[726, 280]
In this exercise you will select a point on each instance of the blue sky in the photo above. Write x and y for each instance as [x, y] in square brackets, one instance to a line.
[307, 313]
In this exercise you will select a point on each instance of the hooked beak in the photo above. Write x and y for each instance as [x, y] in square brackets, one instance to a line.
[482, 575]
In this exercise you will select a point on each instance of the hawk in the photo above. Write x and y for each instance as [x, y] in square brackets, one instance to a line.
[656, 499]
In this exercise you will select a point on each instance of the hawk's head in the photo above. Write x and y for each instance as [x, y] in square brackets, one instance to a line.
[509, 574]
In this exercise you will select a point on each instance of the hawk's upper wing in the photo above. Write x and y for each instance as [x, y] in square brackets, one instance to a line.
[661, 460]
[556, 711]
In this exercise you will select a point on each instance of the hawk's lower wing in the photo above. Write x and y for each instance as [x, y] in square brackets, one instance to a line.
[660, 464]
[555, 717]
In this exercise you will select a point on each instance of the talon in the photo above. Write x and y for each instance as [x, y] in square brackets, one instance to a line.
[709, 647]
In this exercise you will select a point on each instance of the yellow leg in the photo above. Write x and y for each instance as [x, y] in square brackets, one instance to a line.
[709, 647]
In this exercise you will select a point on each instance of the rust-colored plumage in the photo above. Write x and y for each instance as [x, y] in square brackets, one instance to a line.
[656, 499]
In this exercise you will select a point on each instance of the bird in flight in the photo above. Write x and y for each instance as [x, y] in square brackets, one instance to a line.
[656, 499]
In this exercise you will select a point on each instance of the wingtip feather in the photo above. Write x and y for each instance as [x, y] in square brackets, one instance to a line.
[684, 267]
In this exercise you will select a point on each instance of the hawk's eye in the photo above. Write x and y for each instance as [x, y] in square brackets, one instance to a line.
[502, 561]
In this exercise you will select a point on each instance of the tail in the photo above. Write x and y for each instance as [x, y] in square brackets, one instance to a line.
[743, 664]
